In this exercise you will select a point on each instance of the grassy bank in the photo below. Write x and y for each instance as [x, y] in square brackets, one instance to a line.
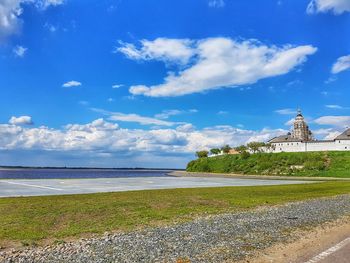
[322, 164]
[31, 220]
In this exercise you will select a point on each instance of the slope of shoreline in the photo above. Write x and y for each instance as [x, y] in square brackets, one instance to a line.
[303, 164]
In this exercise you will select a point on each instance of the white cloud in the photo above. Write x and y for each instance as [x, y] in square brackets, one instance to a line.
[83, 102]
[330, 79]
[22, 120]
[342, 64]
[117, 86]
[44, 4]
[338, 121]
[289, 122]
[19, 51]
[334, 106]
[72, 83]
[222, 112]
[286, 111]
[11, 11]
[216, 3]
[322, 6]
[220, 62]
[294, 82]
[117, 116]
[132, 117]
[102, 136]
[163, 49]
[167, 113]
[110, 99]
[51, 27]
[327, 134]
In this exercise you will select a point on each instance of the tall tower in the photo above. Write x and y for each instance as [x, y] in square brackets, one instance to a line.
[301, 130]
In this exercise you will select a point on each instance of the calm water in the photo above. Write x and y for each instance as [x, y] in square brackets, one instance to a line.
[77, 173]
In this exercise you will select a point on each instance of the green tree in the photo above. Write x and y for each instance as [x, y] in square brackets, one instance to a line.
[226, 149]
[202, 154]
[215, 151]
[244, 155]
[241, 148]
[255, 146]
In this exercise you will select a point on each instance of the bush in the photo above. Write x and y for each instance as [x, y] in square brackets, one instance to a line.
[202, 154]
[245, 155]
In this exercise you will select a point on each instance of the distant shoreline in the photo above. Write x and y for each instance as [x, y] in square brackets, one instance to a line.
[9, 168]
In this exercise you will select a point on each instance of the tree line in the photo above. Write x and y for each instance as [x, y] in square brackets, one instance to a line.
[254, 147]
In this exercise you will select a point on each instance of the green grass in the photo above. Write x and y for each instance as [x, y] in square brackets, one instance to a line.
[322, 164]
[29, 220]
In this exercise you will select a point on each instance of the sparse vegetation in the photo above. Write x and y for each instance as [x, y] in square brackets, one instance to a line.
[241, 148]
[29, 220]
[330, 164]
[202, 154]
[215, 151]
[226, 149]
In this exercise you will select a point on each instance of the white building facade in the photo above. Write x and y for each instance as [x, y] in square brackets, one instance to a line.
[301, 140]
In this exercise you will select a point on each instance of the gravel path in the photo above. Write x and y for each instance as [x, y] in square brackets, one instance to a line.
[219, 238]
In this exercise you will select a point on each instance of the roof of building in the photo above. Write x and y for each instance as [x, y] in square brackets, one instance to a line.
[233, 151]
[284, 138]
[344, 136]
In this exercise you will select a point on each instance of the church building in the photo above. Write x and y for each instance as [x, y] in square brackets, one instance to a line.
[302, 140]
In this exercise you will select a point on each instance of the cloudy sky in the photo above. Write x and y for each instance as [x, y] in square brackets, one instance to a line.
[129, 83]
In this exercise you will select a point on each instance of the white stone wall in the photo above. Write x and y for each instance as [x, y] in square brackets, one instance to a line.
[338, 145]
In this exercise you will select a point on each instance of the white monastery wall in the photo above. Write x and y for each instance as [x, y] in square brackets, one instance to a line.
[337, 145]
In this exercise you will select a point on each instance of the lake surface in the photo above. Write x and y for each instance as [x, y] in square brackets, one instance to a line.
[78, 173]
[40, 187]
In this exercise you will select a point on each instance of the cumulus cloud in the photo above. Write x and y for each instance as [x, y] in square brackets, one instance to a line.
[102, 142]
[216, 3]
[19, 51]
[327, 134]
[22, 120]
[163, 49]
[342, 64]
[72, 83]
[339, 121]
[11, 11]
[107, 137]
[323, 6]
[220, 62]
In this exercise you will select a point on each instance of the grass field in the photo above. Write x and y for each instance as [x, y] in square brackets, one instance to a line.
[320, 164]
[34, 220]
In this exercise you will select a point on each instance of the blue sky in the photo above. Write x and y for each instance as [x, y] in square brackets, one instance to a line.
[147, 83]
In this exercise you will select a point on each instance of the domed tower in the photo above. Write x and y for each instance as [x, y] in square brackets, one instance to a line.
[301, 130]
